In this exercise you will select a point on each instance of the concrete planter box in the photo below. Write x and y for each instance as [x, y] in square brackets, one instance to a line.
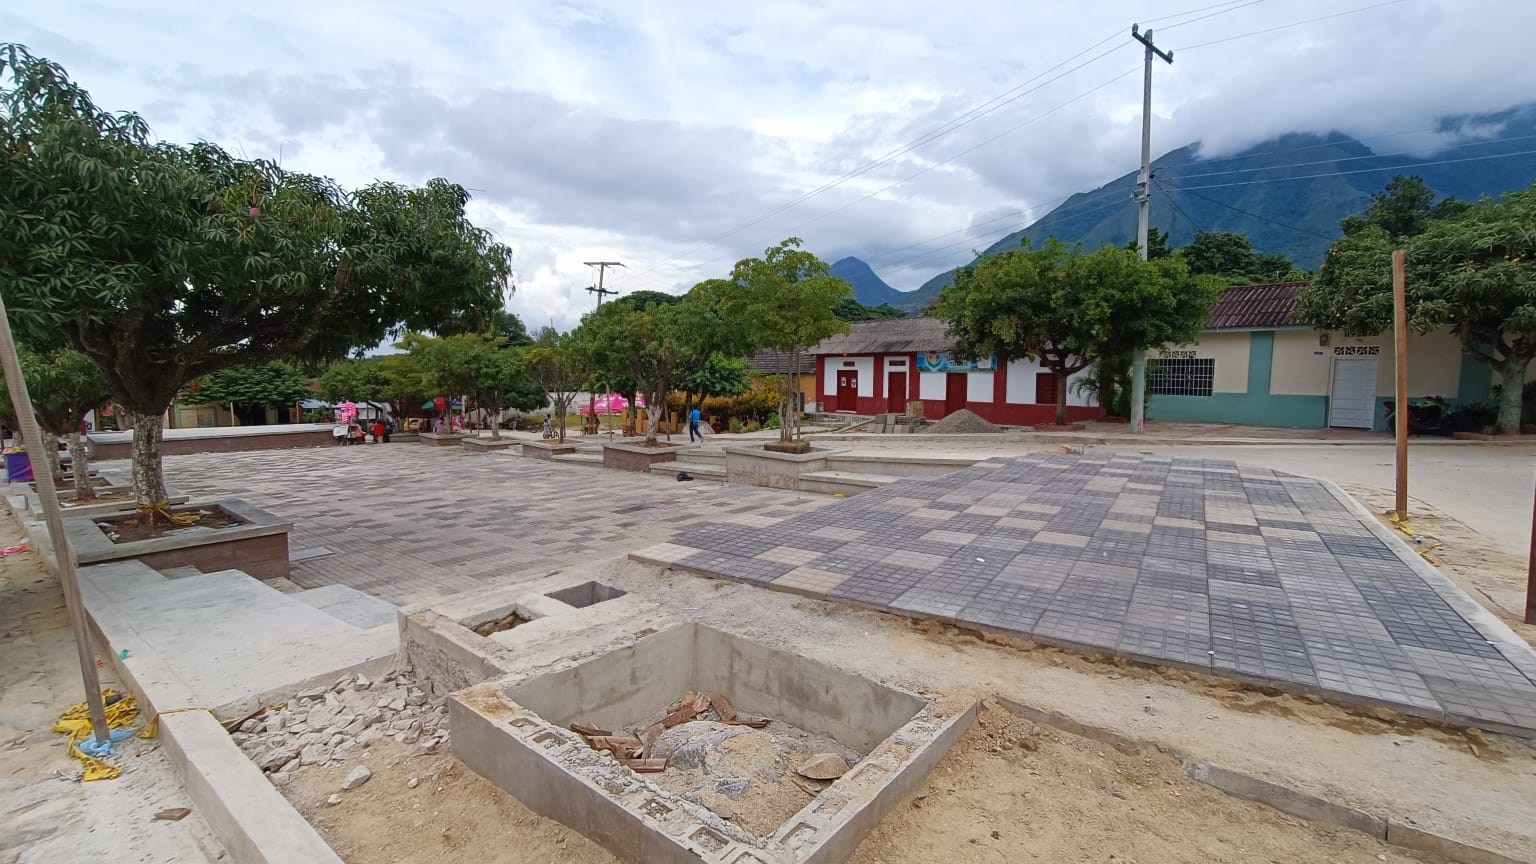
[633, 457]
[104, 508]
[259, 547]
[541, 450]
[445, 439]
[514, 732]
[798, 447]
[485, 445]
[754, 466]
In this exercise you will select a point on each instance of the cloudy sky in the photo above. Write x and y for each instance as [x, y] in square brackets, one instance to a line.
[665, 133]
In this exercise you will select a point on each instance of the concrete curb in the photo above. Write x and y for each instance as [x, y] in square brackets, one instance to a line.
[1139, 441]
[1391, 830]
[252, 820]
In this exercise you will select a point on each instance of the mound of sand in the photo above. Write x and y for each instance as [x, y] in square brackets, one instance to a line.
[963, 422]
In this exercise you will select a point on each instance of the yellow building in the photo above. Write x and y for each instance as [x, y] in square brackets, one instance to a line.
[1255, 364]
[769, 366]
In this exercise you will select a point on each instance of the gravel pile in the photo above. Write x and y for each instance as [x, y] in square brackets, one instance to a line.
[962, 422]
[326, 725]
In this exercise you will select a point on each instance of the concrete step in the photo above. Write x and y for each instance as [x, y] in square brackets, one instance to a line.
[703, 456]
[844, 482]
[350, 605]
[581, 457]
[700, 470]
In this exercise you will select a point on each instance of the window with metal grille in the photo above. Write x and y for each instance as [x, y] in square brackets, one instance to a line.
[1181, 376]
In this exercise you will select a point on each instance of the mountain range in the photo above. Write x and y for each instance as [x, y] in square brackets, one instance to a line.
[1286, 195]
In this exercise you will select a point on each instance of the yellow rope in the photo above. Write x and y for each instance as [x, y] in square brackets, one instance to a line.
[163, 510]
[76, 723]
[1401, 523]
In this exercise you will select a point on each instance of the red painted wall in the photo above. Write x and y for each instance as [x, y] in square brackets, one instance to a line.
[996, 411]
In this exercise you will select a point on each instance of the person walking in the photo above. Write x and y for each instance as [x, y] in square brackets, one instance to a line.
[378, 431]
[693, 425]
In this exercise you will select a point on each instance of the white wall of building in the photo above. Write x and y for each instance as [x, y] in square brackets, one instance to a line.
[978, 386]
[865, 366]
[931, 386]
[1020, 388]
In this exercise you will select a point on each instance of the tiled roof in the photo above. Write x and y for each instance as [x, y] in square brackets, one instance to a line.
[777, 363]
[889, 336]
[1256, 306]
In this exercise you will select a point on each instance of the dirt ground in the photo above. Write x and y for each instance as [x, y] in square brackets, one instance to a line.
[993, 799]
[1075, 800]
[47, 815]
[451, 815]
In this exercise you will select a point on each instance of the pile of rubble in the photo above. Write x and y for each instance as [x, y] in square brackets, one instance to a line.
[326, 725]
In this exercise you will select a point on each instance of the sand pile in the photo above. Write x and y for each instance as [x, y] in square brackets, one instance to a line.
[962, 422]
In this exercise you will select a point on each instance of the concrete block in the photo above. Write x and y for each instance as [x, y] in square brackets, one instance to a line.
[1452, 850]
[1286, 800]
[252, 820]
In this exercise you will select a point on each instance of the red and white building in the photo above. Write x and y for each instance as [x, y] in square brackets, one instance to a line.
[880, 366]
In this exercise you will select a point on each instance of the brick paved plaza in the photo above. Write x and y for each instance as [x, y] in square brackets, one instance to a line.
[408, 523]
[1201, 564]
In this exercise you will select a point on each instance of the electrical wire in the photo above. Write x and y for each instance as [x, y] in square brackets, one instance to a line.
[1357, 171]
[1211, 200]
[1347, 158]
[1188, 48]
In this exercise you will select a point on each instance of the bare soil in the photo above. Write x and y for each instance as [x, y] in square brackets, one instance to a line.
[1071, 799]
[143, 528]
[497, 625]
[452, 814]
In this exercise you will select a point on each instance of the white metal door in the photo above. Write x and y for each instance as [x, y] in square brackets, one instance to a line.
[1353, 400]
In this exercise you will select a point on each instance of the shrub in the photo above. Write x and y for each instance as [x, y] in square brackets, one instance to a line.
[1470, 417]
[753, 426]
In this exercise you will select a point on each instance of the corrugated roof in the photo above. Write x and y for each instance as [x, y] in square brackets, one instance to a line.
[1250, 306]
[889, 336]
[777, 363]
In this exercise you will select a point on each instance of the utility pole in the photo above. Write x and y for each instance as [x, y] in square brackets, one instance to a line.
[602, 268]
[1400, 362]
[1144, 214]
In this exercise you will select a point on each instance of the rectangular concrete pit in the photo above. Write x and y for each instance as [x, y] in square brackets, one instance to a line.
[586, 594]
[513, 732]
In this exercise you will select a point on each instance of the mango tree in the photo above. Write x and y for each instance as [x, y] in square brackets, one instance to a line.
[164, 263]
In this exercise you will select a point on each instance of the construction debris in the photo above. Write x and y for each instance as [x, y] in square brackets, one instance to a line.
[634, 751]
[823, 766]
[962, 422]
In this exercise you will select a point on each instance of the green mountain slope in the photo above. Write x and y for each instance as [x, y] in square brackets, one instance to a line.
[1286, 195]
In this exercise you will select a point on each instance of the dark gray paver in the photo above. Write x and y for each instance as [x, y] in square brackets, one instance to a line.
[1199, 563]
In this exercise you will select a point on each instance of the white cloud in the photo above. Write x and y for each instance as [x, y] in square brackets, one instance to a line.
[646, 131]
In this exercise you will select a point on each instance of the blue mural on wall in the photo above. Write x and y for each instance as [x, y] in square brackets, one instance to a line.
[936, 361]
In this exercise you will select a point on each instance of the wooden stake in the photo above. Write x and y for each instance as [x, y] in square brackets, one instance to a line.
[1400, 360]
[1530, 576]
[53, 515]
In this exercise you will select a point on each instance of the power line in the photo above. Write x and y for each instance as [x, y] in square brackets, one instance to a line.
[1290, 25]
[1357, 171]
[1211, 200]
[1242, 5]
[1177, 209]
[1347, 158]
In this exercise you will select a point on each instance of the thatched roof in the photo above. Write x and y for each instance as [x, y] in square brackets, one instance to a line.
[777, 363]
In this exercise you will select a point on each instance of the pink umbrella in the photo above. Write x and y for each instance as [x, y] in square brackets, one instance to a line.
[611, 403]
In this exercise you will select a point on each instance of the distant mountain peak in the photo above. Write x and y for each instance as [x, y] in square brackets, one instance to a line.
[868, 287]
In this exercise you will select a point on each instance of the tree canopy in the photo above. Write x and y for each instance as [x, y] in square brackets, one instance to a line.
[164, 263]
[849, 309]
[64, 386]
[1068, 309]
[554, 360]
[265, 384]
[1403, 209]
[1470, 271]
[1232, 257]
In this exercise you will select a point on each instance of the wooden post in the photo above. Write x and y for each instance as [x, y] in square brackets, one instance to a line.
[53, 516]
[1530, 576]
[1400, 360]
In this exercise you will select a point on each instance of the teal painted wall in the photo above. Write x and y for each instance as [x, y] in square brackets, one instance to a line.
[1256, 407]
[1474, 383]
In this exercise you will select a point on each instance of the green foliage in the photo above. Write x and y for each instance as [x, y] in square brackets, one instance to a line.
[644, 301]
[478, 365]
[752, 426]
[268, 384]
[734, 426]
[63, 385]
[164, 263]
[1471, 272]
[785, 300]
[366, 380]
[1232, 257]
[849, 309]
[554, 360]
[719, 376]
[1403, 209]
[647, 347]
[1066, 309]
[1157, 244]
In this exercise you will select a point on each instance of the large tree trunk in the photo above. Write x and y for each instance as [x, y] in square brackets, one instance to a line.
[1061, 396]
[80, 464]
[1511, 394]
[496, 421]
[51, 452]
[148, 472]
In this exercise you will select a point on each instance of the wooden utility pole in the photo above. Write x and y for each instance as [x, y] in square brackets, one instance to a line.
[602, 268]
[1530, 576]
[1400, 361]
[1144, 214]
[53, 516]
